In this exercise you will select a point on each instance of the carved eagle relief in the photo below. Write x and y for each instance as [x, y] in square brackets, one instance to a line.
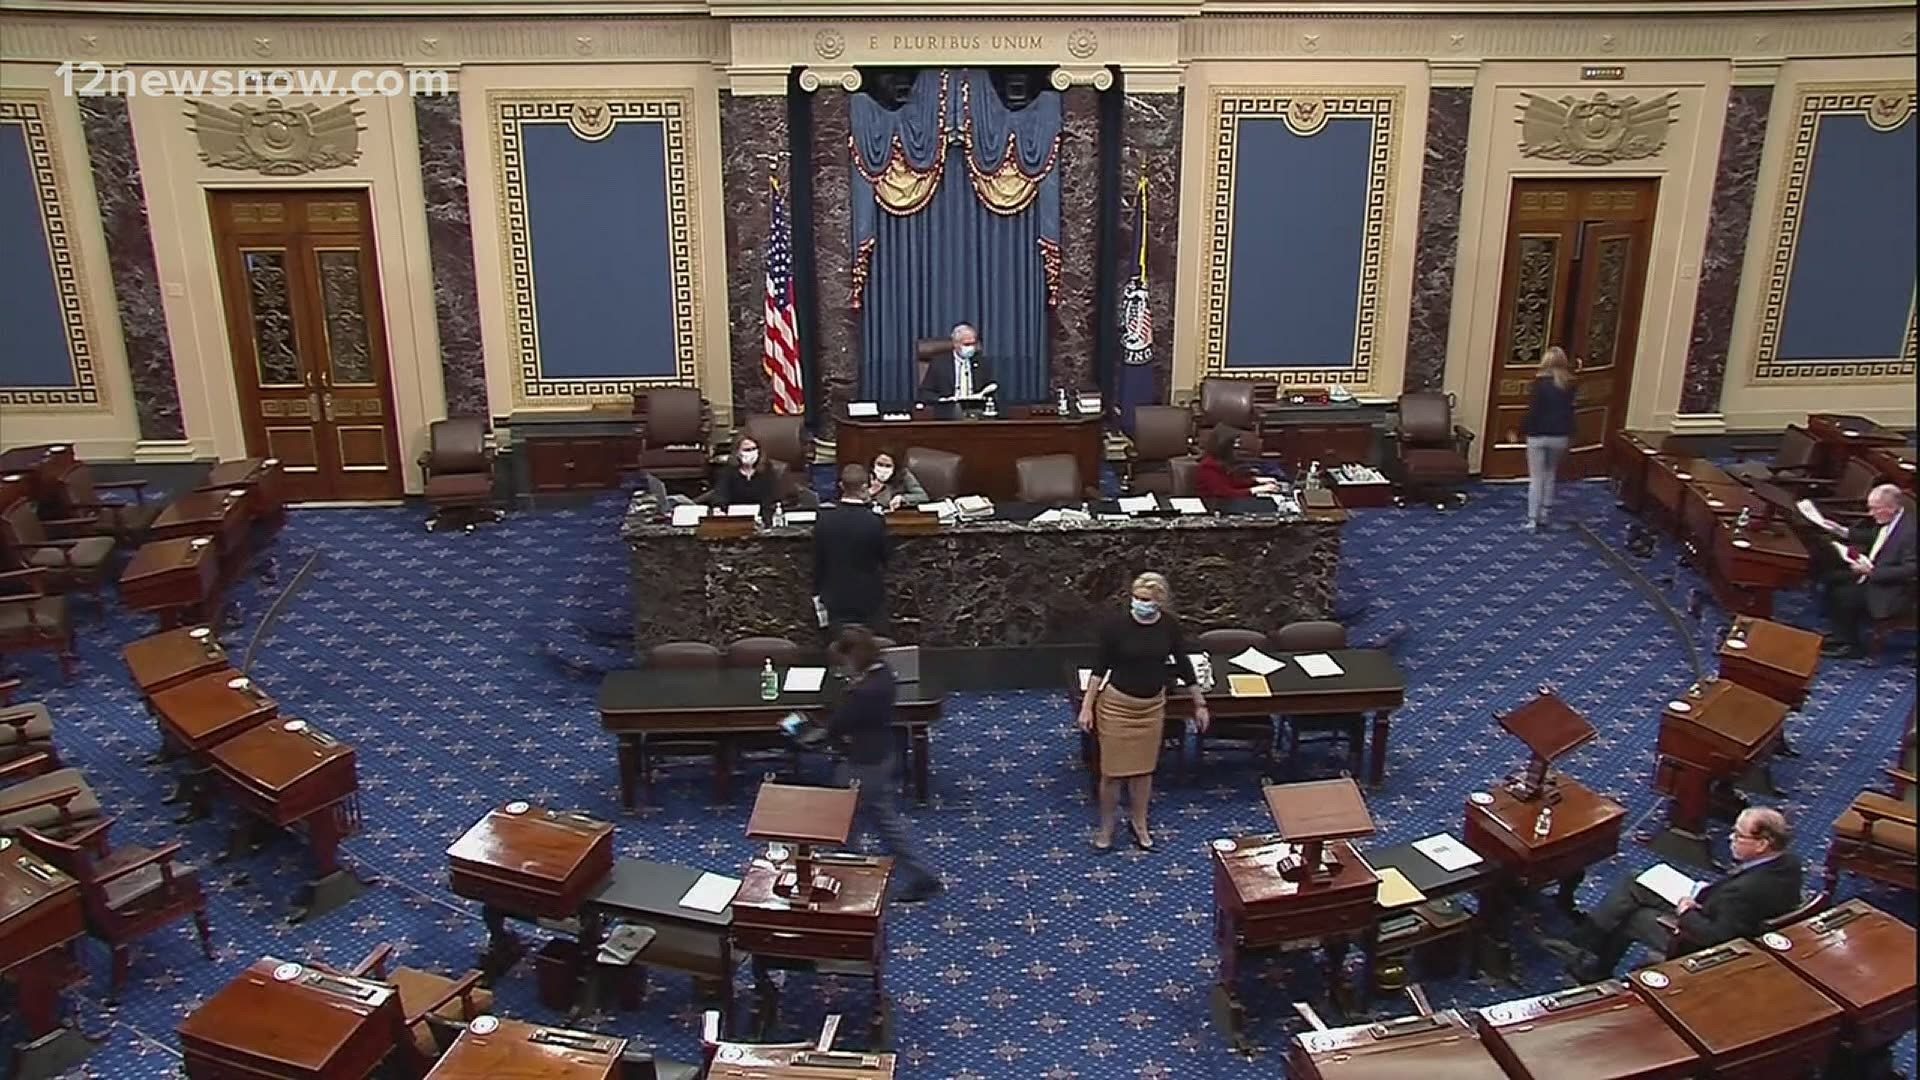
[1597, 131]
[276, 139]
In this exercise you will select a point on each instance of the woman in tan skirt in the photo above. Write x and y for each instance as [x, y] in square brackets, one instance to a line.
[1126, 702]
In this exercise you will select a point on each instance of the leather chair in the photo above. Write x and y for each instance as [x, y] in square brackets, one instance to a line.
[676, 434]
[1227, 401]
[71, 564]
[26, 728]
[459, 468]
[1180, 472]
[925, 352]
[937, 470]
[30, 619]
[35, 793]
[1231, 640]
[128, 893]
[1319, 635]
[1255, 732]
[684, 655]
[1050, 479]
[1160, 434]
[1430, 450]
[754, 651]
[784, 445]
[124, 521]
[1792, 465]
[1874, 836]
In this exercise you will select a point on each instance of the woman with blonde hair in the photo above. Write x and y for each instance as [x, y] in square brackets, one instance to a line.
[1125, 704]
[1548, 425]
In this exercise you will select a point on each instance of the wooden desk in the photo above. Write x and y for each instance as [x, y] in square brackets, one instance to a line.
[1744, 568]
[1255, 908]
[1443, 1046]
[1895, 464]
[282, 1019]
[175, 579]
[289, 773]
[167, 659]
[260, 478]
[1667, 478]
[696, 942]
[1600, 1032]
[1585, 829]
[1863, 959]
[200, 714]
[1747, 1014]
[493, 1048]
[989, 447]
[1842, 437]
[843, 934]
[41, 912]
[1704, 504]
[42, 472]
[1627, 461]
[1771, 658]
[527, 862]
[745, 1061]
[1710, 734]
[222, 515]
[1435, 884]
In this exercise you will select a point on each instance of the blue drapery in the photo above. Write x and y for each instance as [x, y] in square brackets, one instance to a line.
[956, 218]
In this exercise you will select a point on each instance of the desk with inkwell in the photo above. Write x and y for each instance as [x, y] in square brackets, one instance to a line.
[1433, 1044]
[176, 579]
[259, 481]
[802, 909]
[496, 1048]
[292, 1022]
[167, 659]
[1709, 736]
[1862, 959]
[222, 516]
[1774, 659]
[1539, 827]
[1603, 1031]
[200, 714]
[1299, 887]
[791, 1061]
[288, 774]
[41, 915]
[1746, 1014]
[527, 862]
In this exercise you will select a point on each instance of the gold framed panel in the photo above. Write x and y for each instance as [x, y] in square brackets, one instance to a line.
[1885, 106]
[1306, 112]
[592, 115]
[32, 112]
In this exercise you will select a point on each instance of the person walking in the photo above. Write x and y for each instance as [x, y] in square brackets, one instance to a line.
[1548, 425]
[861, 728]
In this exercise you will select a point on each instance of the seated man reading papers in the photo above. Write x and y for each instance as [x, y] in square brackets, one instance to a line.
[1876, 570]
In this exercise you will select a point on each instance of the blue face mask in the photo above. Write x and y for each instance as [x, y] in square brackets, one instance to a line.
[966, 352]
[1145, 609]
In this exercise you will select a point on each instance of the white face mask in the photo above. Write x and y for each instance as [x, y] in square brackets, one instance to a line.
[883, 473]
[966, 352]
[749, 458]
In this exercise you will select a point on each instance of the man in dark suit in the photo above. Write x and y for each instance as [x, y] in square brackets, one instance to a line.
[850, 558]
[1877, 572]
[1764, 884]
[962, 374]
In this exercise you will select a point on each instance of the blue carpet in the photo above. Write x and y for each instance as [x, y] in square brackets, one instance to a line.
[451, 662]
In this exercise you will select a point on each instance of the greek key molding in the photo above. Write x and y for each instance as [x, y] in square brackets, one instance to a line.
[1305, 111]
[32, 112]
[1885, 106]
[594, 114]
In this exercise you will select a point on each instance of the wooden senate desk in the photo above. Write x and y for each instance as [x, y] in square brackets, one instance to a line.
[1256, 909]
[1369, 682]
[1585, 829]
[1599, 1032]
[1627, 460]
[38, 473]
[1443, 1046]
[282, 1019]
[167, 659]
[200, 714]
[1704, 504]
[988, 447]
[1709, 735]
[176, 579]
[842, 933]
[996, 582]
[260, 478]
[1668, 476]
[289, 774]
[1746, 566]
[1863, 959]
[222, 515]
[41, 912]
[1772, 658]
[1895, 464]
[527, 862]
[644, 704]
[494, 1048]
[745, 1061]
[1747, 1015]
[1843, 437]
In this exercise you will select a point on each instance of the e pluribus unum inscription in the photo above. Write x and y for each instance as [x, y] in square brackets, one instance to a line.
[937, 42]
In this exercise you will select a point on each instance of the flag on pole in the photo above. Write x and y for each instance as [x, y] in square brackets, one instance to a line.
[780, 357]
[1136, 382]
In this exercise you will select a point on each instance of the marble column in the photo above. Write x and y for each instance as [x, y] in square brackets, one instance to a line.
[838, 358]
[456, 301]
[136, 281]
[1075, 333]
[1741, 141]
[1441, 180]
[753, 141]
[1150, 141]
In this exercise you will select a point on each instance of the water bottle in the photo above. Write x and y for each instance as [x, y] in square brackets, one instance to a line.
[779, 515]
[1745, 519]
[1313, 477]
[992, 409]
[769, 681]
[1543, 823]
[1061, 394]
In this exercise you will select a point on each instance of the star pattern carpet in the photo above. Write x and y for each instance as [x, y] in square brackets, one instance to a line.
[451, 662]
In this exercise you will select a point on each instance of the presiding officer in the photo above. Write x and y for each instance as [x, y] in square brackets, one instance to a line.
[961, 374]
[850, 557]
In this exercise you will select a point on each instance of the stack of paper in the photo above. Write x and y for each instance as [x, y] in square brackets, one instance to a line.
[805, 680]
[1243, 685]
[1447, 853]
[802, 517]
[1139, 504]
[712, 893]
[1671, 885]
[1257, 662]
[688, 515]
[745, 510]
[1396, 890]
[1319, 665]
[943, 508]
[863, 408]
[1187, 504]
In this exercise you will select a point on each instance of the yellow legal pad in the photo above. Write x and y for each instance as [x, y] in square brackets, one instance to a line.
[1396, 890]
[1242, 685]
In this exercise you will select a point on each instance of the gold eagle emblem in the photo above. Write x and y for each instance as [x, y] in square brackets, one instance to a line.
[1597, 131]
[276, 139]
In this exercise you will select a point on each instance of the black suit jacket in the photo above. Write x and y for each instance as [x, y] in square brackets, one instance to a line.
[1740, 904]
[850, 561]
[1890, 587]
[942, 379]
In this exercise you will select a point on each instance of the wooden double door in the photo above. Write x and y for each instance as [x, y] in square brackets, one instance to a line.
[1574, 275]
[300, 285]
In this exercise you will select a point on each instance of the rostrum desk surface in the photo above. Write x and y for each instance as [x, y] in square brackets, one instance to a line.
[1749, 1016]
[284, 1020]
[1863, 959]
[1441, 1047]
[1599, 1032]
[518, 1051]
[989, 446]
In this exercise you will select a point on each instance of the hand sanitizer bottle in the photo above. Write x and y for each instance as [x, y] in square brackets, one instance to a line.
[769, 681]
[1543, 823]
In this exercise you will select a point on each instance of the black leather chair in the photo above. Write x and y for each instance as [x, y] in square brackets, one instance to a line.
[1311, 636]
[1430, 450]
[1255, 733]
[459, 469]
[677, 434]
[938, 471]
[1050, 479]
[1161, 433]
[785, 445]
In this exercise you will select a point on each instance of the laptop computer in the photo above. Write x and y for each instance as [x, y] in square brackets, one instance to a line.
[905, 662]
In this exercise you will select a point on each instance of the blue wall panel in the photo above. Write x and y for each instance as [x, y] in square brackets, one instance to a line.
[33, 338]
[1851, 289]
[602, 269]
[1299, 218]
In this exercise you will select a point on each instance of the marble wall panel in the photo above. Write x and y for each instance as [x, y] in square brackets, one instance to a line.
[753, 145]
[136, 281]
[1150, 141]
[456, 300]
[1076, 335]
[1442, 178]
[837, 368]
[1738, 173]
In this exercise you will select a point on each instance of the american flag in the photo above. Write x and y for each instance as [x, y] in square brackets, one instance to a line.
[781, 355]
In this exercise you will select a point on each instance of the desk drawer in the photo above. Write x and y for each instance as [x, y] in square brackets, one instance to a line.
[804, 945]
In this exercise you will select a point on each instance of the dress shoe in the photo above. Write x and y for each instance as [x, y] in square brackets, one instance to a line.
[920, 893]
[1842, 651]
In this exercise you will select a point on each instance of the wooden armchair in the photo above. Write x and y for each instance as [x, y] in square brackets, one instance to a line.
[36, 793]
[128, 893]
[1874, 837]
[70, 564]
[424, 995]
[31, 619]
[26, 728]
[126, 522]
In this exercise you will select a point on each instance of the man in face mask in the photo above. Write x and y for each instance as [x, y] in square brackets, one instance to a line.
[961, 376]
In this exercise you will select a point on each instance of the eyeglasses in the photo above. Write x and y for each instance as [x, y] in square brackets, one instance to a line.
[1738, 835]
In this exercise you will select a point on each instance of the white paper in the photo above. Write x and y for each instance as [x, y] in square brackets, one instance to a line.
[944, 508]
[1446, 852]
[973, 504]
[863, 408]
[1085, 674]
[1285, 504]
[1257, 662]
[1670, 884]
[802, 517]
[897, 416]
[1187, 504]
[805, 680]
[1138, 504]
[688, 515]
[712, 893]
[746, 510]
[1811, 512]
[1319, 665]
[1047, 517]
